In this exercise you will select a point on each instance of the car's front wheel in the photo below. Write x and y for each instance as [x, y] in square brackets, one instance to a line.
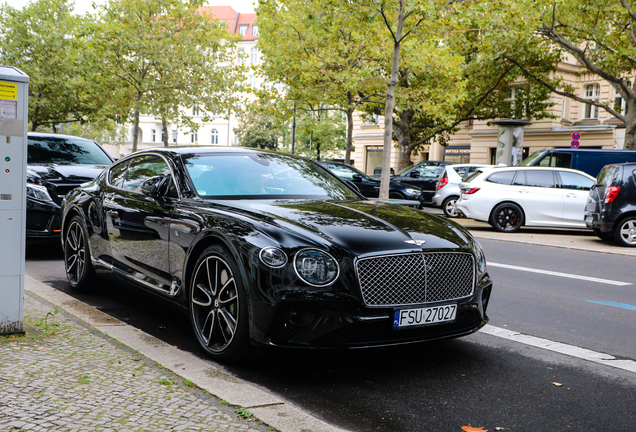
[77, 256]
[448, 205]
[507, 217]
[218, 307]
[625, 232]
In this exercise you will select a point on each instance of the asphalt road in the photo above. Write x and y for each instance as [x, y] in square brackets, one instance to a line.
[481, 380]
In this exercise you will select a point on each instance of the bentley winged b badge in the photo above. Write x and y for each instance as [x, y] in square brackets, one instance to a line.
[415, 242]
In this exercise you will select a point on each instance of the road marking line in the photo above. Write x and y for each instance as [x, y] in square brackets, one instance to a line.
[552, 273]
[570, 350]
[615, 304]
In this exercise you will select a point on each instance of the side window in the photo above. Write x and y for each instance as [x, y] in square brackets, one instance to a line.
[504, 177]
[143, 168]
[608, 175]
[341, 171]
[558, 160]
[540, 178]
[520, 180]
[575, 181]
[430, 171]
[116, 174]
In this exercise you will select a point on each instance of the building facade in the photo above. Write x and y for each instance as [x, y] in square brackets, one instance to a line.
[476, 141]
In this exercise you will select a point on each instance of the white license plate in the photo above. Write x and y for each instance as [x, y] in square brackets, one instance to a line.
[424, 316]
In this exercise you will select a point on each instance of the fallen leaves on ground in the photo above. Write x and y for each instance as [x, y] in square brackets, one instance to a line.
[557, 384]
[470, 428]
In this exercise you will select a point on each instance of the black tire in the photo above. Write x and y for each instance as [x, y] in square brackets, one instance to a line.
[602, 235]
[447, 206]
[218, 306]
[507, 217]
[625, 232]
[77, 256]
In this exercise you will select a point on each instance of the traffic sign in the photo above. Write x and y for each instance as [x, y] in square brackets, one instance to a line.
[576, 136]
[575, 144]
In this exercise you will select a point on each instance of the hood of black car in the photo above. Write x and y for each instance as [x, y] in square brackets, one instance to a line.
[364, 226]
[66, 173]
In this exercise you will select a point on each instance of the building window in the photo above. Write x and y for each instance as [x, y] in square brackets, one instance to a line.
[193, 137]
[174, 135]
[516, 97]
[163, 136]
[254, 30]
[215, 136]
[254, 55]
[236, 141]
[243, 29]
[154, 135]
[252, 81]
[592, 92]
[241, 55]
[619, 103]
[195, 110]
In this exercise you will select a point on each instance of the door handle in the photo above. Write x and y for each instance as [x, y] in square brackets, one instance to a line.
[570, 195]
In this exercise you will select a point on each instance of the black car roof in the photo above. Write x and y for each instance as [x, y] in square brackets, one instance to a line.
[57, 136]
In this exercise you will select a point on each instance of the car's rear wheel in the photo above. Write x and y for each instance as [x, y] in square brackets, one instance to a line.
[507, 217]
[448, 205]
[625, 232]
[602, 235]
[77, 256]
[218, 307]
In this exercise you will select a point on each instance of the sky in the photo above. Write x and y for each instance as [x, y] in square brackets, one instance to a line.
[83, 6]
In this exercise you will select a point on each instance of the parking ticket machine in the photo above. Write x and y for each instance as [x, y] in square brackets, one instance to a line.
[13, 156]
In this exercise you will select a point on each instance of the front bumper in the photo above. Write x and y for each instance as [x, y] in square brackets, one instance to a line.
[42, 219]
[337, 324]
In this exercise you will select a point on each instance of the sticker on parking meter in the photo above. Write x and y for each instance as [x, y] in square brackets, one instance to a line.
[8, 109]
[8, 91]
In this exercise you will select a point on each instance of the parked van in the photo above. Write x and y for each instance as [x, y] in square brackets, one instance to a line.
[590, 161]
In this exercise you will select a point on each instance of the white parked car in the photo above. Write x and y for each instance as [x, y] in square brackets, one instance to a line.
[447, 189]
[511, 197]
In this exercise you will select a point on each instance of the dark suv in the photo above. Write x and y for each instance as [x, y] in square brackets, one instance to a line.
[611, 206]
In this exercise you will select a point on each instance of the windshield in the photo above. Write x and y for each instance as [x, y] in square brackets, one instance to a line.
[528, 161]
[65, 151]
[262, 176]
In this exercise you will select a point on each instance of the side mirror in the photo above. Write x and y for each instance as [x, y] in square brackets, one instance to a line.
[356, 178]
[152, 186]
[414, 174]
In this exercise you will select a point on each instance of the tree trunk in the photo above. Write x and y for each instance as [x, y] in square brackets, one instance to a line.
[388, 109]
[318, 150]
[402, 131]
[630, 126]
[136, 123]
[164, 128]
[349, 146]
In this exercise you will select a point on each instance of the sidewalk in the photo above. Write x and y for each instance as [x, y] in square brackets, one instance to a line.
[72, 372]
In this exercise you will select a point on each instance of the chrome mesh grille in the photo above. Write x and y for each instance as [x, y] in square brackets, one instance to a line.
[415, 278]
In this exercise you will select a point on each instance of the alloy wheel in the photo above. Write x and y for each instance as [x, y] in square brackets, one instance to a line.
[75, 253]
[508, 218]
[215, 304]
[627, 232]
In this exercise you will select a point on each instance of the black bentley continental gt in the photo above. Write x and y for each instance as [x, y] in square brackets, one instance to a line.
[271, 249]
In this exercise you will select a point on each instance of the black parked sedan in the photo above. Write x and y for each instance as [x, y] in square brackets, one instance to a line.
[274, 250]
[370, 187]
[423, 175]
[55, 165]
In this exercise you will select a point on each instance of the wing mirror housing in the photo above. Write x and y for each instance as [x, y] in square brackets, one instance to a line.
[153, 187]
[414, 174]
[356, 178]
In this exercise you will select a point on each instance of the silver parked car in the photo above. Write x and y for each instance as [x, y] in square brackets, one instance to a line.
[447, 190]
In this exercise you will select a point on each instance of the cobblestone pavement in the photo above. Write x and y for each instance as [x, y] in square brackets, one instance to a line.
[65, 376]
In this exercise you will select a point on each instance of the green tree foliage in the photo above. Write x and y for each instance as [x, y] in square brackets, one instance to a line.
[600, 34]
[42, 40]
[160, 55]
[320, 134]
[256, 129]
[322, 52]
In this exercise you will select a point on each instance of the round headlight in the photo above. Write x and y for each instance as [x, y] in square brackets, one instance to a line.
[316, 267]
[273, 257]
[480, 258]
